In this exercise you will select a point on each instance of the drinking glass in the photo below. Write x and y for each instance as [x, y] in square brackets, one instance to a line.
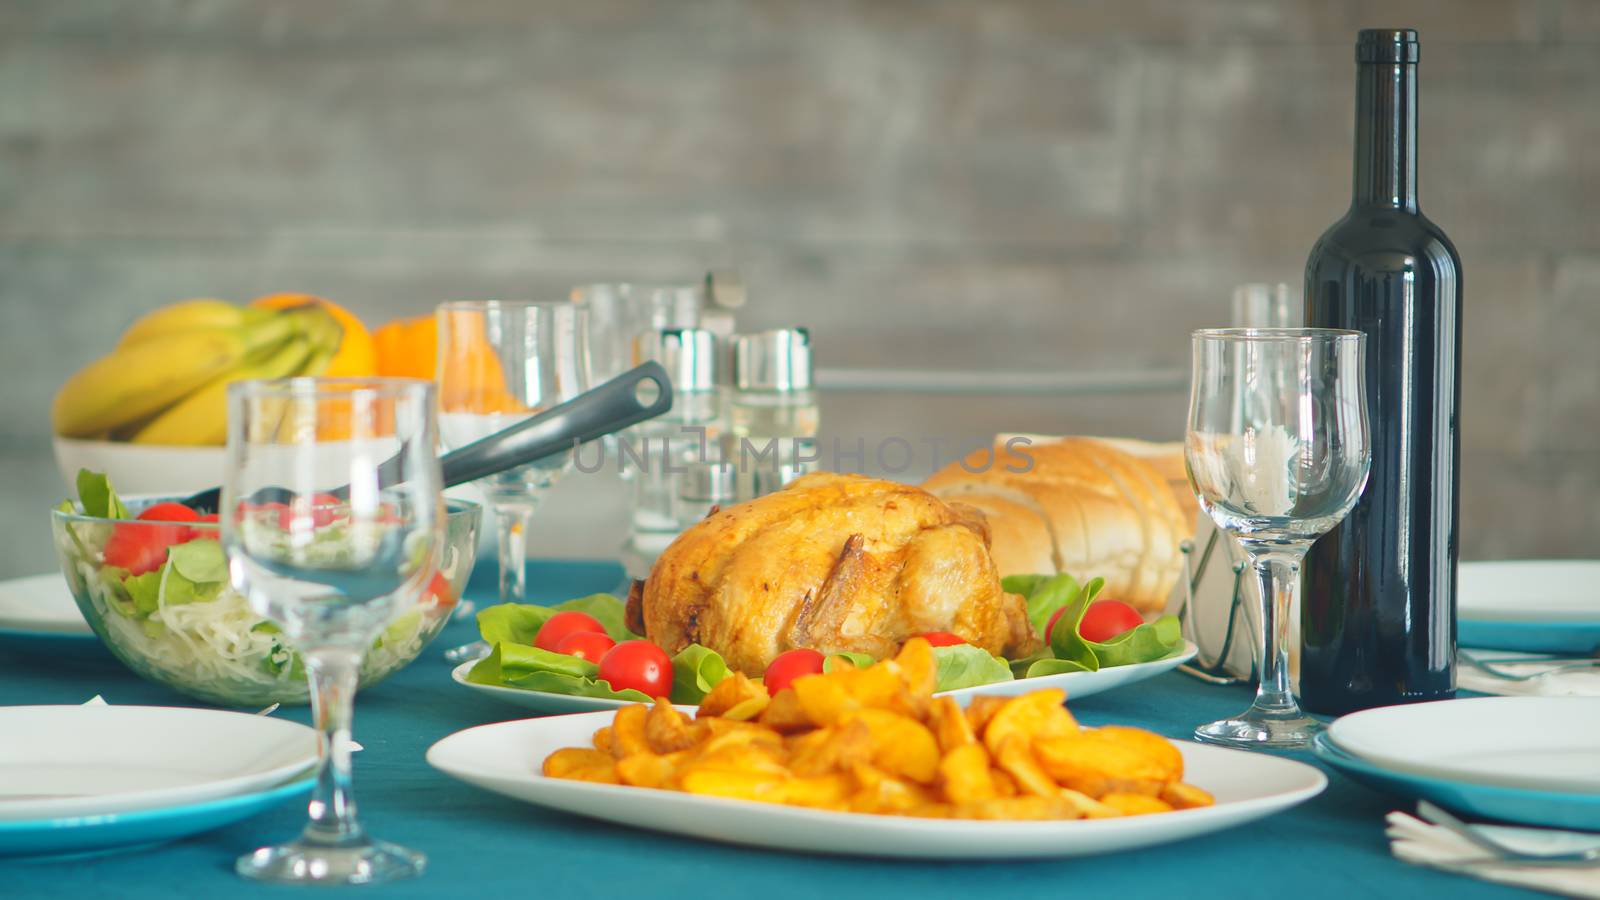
[1262, 305]
[621, 312]
[501, 362]
[1278, 451]
[331, 554]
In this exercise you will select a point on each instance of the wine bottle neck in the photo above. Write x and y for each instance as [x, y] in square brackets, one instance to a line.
[1386, 135]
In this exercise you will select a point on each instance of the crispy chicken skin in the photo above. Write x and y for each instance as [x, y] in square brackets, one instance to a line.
[835, 563]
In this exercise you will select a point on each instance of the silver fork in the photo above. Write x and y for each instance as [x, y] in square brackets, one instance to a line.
[1504, 855]
[1493, 667]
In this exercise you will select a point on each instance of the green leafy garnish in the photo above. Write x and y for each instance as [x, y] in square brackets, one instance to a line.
[533, 669]
[199, 560]
[695, 671]
[519, 623]
[1150, 641]
[98, 498]
[1066, 645]
[858, 660]
[964, 666]
[1067, 650]
[1045, 594]
[513, 662]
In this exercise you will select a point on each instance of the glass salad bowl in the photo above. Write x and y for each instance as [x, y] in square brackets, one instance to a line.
[157, 594]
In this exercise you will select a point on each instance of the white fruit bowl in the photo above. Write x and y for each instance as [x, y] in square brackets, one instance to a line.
[141, 468]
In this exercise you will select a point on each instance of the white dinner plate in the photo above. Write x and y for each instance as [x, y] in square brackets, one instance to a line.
[60, 761]
[506, 758]
[1555, 590]
[1080, 684]
[41, 603]
[1536, 743]
[1077, 685]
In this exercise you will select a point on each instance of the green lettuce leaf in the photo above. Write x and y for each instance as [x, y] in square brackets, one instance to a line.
[145, 592]
[1045, 593]
[98, 497]
[858, 660]
[695, 671]
[529, 668]
[963, 666]
[1049, 665]
[519, 623]
[167, 585]
[1147, 643]
[199, 560]
[1066, 645]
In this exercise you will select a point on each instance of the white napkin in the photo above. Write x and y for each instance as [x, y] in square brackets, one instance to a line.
[1415, 841]
[1573, 683]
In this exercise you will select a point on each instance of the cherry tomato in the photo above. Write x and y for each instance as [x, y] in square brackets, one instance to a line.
[639, 665]
[141, 546]
[322, 509]
[557, 627]
[1051, 625]
[258, 511]
[209, 534]
[590, 645]
[781, 672]
[438, 591]
[1105, 619]
[943, 638]
[168, 512]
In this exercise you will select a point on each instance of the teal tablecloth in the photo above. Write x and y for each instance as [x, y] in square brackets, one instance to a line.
[482, 845]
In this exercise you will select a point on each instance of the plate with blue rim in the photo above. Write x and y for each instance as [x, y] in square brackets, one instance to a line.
[1525, 806]
[1534, 606]
[84, 834]
[38, 617]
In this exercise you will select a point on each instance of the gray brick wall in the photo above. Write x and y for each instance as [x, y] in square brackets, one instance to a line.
[1059, 184]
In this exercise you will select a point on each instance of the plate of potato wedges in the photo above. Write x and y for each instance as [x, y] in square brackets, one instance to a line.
[868, 762]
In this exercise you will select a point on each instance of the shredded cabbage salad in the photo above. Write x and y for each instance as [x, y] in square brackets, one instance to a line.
[185, 625]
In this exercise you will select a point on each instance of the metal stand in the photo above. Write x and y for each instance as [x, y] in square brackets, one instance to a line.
[1213, 670]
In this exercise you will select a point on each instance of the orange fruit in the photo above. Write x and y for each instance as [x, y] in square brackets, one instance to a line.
[357, 356]
[407, 348]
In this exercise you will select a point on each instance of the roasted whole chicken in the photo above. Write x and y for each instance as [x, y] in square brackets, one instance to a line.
[835, 563]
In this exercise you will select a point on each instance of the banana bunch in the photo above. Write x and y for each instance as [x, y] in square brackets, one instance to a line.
[166, 381]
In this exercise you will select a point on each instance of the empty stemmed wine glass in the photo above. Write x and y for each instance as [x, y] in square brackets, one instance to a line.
[1278, 451]
[501, 362]
[331, 555]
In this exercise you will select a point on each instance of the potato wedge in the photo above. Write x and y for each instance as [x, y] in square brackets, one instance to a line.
[1016, 758]
[602, 740]
[735, 691]
[785, 714]
[1136, 804]
[666, 729]
[982, 709]
[882, 793]
[965, 776]
[830, 791]
[627, 731]
[950, 725]
[1180, 795]
[648, 769]
[1031, 807]
[1100, 761]
[1032, 716]
[581, 764]
[763, 787]
[901, 745]
[833, 749]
